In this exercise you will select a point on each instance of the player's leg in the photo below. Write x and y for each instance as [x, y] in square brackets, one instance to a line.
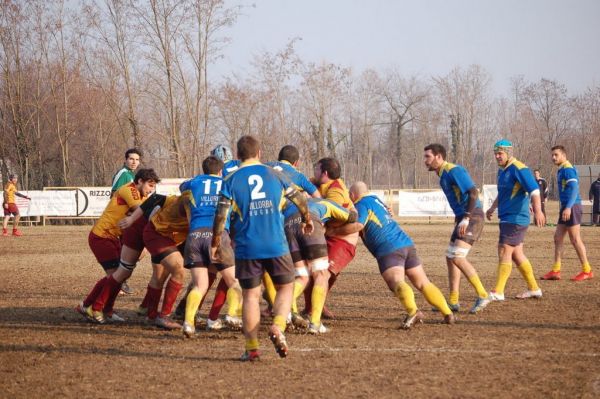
[282, 272]
[394, 278]
[300, 282]
[459, 251]
[251, 293]
[155, 288]
[431, 292]
[575, 237]
[199, 286]
[173, 263]
[526, 270]
[320, 276]
[16, 219]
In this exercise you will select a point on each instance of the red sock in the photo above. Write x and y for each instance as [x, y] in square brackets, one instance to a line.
[171, 292]
[91, 298]
[219, 301]
[114, 293]
[102, 300]
[144, 303]
[153, 295]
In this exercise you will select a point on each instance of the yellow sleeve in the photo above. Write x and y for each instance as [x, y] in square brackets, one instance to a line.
[130, 195]
[337, 213]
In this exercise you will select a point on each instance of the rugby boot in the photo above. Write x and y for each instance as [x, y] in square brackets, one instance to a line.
[250, 356]
[188, 330]
[114, 318]
[583, 276]
[551, 275]
[278, 340]
[17, 233]
[449, 319]
[320, 329]
[411, 320]
[234, 323]
[299, 322]
[214, 325]
[496, 296]
[166, 323]
[480, 304]
[126, 289]
[5, 232]
[95, 315]
[530, 294]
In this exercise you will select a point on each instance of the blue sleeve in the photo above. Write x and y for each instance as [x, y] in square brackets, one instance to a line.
[572, 186]
[306, 184]
[363, 214]
[185, 186]
[225, 190]
[462, 179]
[526, 179]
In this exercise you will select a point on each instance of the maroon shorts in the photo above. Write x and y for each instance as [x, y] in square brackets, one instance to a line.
[12, 209]
[158, 245]
[403, 257]
[576, 213]
[340, 253]
[106, 250]
[512, 234]
[133, 237]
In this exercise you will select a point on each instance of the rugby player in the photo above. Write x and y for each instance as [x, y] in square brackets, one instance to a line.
[569, 220]
[255, 193]
[516, 189]
[463, 197]
[10, 206]
[395, 253]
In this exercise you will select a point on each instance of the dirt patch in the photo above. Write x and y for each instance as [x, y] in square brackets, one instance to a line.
[536, 348]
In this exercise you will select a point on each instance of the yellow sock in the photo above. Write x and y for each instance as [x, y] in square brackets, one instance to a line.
[435, 297]
[586, 267]
[406, 296]
[476, 283]
[279, 321]
[269, 288]
[191, 306]
[318, 301]
[298, 289]
[453, 297]
[251, 344]
[527, 273]
[234, 298]
[556, 267]
[504, 270]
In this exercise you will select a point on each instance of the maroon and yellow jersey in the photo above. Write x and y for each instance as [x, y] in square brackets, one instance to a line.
[336, 191]
[124, 200]
[10, 189]
[171, 220]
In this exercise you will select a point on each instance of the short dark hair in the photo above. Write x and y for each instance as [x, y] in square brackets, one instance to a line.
[559, 147]
[146, 175]
[212, 165]
[133, 151]
[247, 147]
[436, 149]
[289, 153]
[331, 166]
[536, 170]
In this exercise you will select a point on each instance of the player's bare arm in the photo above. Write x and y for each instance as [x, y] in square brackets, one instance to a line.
[464, 223]
[490, 212]
[345, 229]
[219, 224]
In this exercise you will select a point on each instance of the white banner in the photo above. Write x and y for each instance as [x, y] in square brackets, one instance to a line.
[169, 186]
[380, 194]
[490, 192]
[91, 201]
[423, 203]
[47, 203]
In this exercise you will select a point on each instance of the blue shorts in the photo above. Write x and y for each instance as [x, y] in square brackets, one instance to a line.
[405, 257]
[512, 234]
[576, 213]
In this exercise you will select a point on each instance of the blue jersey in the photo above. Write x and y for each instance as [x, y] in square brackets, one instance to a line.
[322, 209]
[456, 183]
[203, 193]
[257, 194]
[297, 178]
[230, 167]
[515, 183]
[568, 185]
[381, 234]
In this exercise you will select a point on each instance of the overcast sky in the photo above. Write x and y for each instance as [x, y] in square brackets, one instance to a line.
[535, 38]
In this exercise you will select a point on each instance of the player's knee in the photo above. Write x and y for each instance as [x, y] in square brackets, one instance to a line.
[456, 252]
[319, 265]
[129, 266]
[301, 272]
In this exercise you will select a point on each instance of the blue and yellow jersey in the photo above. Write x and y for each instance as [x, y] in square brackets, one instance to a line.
[230, 167]
[456, 183]
[381, 234]
[321, 209]
[257, 194]
[568, 185]
[203, 194]
[298, 179]
[515, 183]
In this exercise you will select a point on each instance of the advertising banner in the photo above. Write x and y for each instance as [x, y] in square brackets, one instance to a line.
[423, 203]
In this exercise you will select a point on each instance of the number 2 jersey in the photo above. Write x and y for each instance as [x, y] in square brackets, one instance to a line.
[257, 194]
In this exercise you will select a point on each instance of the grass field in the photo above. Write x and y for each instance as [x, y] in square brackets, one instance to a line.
[535, 348]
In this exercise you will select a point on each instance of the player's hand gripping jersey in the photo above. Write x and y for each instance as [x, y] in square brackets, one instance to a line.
[381, 234]
[515, 184]
[320, 209]
[257, 197]
[297, 178]
[456, 183]
[125, 199]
